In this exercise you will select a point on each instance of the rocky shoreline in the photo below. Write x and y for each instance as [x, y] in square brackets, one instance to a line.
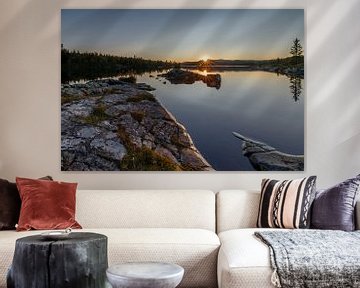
[113, 125]
[263, 157]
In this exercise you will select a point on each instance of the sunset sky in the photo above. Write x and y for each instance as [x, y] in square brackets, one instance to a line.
[183, 35]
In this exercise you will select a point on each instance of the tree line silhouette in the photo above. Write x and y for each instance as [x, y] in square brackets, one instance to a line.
[77, 65]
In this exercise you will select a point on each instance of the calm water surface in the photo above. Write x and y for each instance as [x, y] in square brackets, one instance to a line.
[256, 104]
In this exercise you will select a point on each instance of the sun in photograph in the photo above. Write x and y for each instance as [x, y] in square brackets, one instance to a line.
[205, 58]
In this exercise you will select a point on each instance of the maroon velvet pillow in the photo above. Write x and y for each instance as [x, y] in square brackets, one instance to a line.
[10, 204]
[46, 204]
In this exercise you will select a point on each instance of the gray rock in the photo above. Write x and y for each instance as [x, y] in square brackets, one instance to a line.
[166, 153]
[71, 143]
[148, 123]
[145, 87]
[174, 150]
[88, 132]
[164, 131]
[113, 99]
[134, 130]
[154, 110]
[72, 91]
[108, 125]
[82, 108]
[183, 139]
[193, 159]
[117, 110]
[79, 166]
[108, 148]
[109, 135]
[149, 141]
[147, 144]
[96, 163]
[263, 157]
[67, 158]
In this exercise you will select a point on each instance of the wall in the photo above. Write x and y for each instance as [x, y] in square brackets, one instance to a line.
[30, 94]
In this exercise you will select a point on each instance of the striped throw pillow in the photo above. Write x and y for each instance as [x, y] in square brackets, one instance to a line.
[286, 204]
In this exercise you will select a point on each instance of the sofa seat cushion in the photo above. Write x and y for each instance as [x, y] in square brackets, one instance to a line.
[244, 261]
[194, 249]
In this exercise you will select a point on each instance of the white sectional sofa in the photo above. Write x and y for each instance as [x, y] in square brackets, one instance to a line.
[243, 261]
[172, 226]
[177, 226]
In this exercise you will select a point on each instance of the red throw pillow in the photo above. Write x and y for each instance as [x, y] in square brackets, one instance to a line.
[10, 204]
[46, 204]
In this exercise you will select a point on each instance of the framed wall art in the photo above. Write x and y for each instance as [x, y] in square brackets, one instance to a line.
[182, 89]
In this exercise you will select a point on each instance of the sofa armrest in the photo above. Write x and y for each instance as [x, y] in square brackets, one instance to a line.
[357, 215]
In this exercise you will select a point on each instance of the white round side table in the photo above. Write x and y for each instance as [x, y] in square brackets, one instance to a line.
[145, 275]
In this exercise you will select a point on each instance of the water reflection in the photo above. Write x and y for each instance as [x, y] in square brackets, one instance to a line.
[295, 87]
[257, 103]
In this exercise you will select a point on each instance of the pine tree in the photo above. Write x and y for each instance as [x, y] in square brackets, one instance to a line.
[296, 48]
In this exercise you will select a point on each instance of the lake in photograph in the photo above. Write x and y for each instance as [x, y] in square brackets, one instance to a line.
[256, 104]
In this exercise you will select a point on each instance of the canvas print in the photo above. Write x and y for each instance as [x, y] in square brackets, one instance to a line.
[182, 89]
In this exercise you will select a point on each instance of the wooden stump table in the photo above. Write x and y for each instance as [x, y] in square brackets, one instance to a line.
[78, 261]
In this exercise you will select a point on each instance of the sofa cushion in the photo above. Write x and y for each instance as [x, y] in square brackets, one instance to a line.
[194, 249]
[334, 207]
[236, 209]
[286, 204]
[46, 204]
[244, 261]
[10, 204]
[146, 209]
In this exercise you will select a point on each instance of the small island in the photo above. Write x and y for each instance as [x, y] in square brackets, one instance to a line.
[179, 76]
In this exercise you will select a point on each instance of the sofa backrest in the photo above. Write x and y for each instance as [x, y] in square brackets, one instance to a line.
[146, 209]
[239, 209]
[236, 209]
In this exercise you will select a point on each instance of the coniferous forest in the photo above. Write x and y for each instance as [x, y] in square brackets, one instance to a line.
[77, 65]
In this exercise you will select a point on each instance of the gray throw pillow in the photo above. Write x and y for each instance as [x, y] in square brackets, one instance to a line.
[334, 208]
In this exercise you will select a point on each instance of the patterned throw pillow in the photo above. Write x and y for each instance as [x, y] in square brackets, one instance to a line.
[286, 204]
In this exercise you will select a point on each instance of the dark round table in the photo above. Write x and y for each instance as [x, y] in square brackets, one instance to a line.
[78, 261]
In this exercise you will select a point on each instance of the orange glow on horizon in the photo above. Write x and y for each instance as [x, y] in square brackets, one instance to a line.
[205, 58]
